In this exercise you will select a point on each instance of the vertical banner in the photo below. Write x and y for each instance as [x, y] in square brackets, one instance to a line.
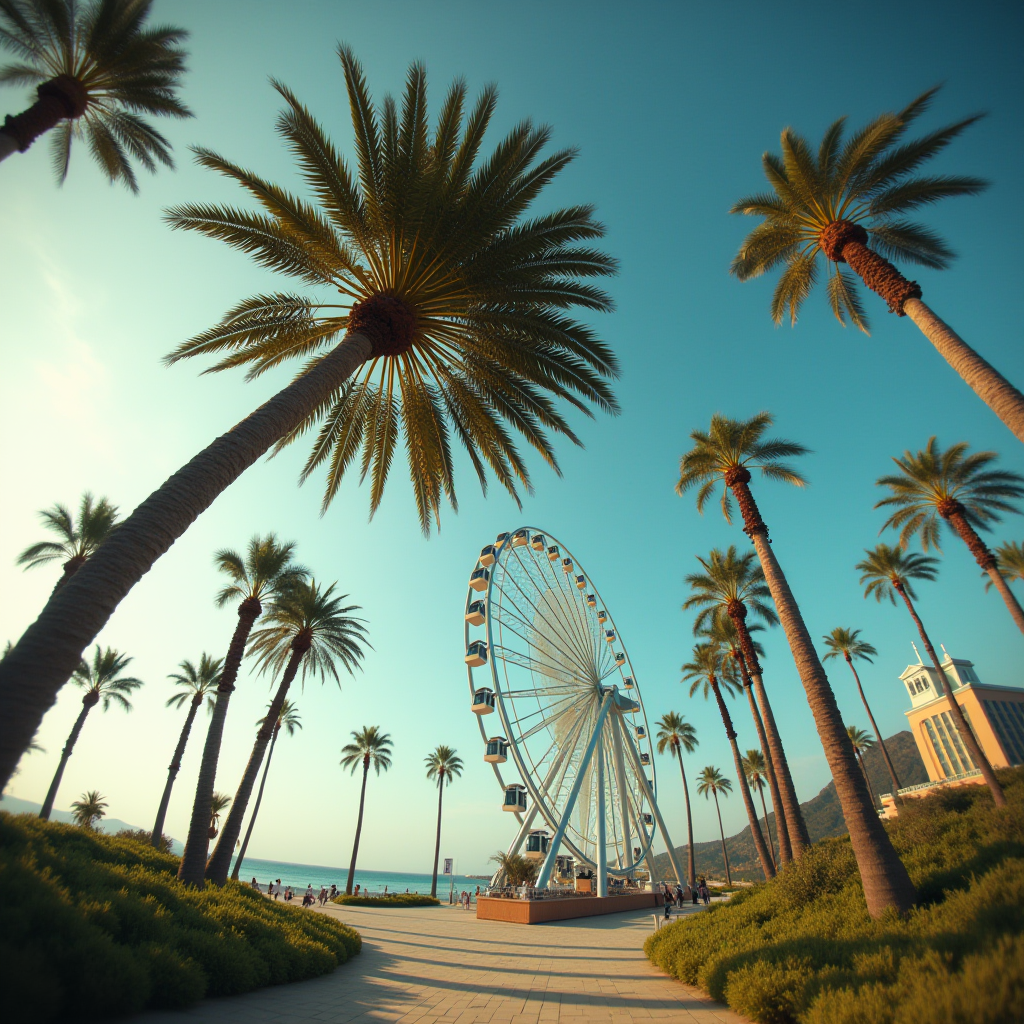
[447, 866]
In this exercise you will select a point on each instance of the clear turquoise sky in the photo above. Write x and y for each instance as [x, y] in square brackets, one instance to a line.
[671, 105]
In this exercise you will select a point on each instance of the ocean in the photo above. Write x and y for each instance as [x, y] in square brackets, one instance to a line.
[298, 876]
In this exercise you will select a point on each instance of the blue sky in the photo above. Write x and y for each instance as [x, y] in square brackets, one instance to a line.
[671, 106]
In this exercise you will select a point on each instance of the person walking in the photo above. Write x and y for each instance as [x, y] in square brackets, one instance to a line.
[679, 895]
[277, 888]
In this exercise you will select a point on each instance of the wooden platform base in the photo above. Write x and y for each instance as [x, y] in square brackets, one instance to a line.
[538, 911]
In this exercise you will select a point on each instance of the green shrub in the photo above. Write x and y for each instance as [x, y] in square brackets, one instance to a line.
[802, 947]
[98, 926]
[398, 899]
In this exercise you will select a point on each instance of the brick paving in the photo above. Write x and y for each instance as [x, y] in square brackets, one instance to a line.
[442, 966]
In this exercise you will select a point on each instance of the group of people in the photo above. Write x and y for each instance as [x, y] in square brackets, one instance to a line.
[679, 897]
[464, 899]
[308, 897]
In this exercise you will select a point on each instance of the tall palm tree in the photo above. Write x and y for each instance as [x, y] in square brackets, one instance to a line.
[262, 573]
[734, 584]
[288, 719]
[709, 672]
[368, 746]
[218, 805]
[443, 764]
[88, 809]
[79, 536]
[96, 69]
[195, 684]
[756, 773]
[862, 743]
[846, 643]
[311, 628]
[450, 326]
[104, 683]
[857, 189]
[721, 629]
[711, 782]
[935, 486]
[676, 734]
[1009, 562]
[888, 571]
[724, 454]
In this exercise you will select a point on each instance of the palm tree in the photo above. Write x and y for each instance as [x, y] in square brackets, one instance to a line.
[311, 628]
[845, 643]
[888, 571]
[723, 454]
[712, 782]
[856, 189]
[734, 584]
[88, 808]
[103, 682]
[96, 69]
[288, 719]
[710, 672]
[756, 773]
[861, 743]
[195, 684]
[676, 734]
[1009, 562]
[368, 746]
[265, 571]
[78, 539]
[443, 765]
[218, 805]
[451, 326]
[517, 869]
[935, 486]
[721, 629]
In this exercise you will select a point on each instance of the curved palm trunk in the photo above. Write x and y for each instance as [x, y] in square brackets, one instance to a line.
[71, 566]
[437, 841]
[359, 830]
[721, 832]
[220, 859]
[49, 650]
[173, 769]
[255, 807]
[51, 794]
[192, 869]
[878, 735]
[59, 98]
[755, 827]
[691, 867]
[767, 827]
[963, 729]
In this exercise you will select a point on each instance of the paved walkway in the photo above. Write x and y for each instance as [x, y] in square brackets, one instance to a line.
[443, 966]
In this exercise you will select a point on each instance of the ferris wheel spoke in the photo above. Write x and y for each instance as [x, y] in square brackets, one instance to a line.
[572, 601]
[552, 670]
[559, 609]
[584, 670]
[545, 722]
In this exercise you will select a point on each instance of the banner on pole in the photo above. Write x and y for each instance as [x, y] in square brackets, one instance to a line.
[447, 866]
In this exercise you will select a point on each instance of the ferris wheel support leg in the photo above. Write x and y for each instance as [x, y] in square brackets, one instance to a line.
[620, 771]
[556, 840]
[602, 849]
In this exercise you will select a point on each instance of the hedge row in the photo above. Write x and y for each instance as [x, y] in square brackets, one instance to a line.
[398, 899]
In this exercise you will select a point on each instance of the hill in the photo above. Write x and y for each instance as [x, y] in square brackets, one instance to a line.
[822, 813]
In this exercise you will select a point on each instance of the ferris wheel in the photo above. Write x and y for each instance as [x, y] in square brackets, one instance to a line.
[543, 651]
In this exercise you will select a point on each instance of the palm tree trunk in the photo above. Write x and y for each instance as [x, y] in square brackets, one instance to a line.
[173, 769]
[59, 98]
[867, 778]
[767, 827]
[51, 794]
[255, 807]
[43, 659]
[721, 832]
[755, 827]
[691, 866]
[72, 565]
[359, 829]
[192, 869]
[437, 841]
[220, 859]
[983, 378]
[878, 735]
[963, 729]
[883, 875]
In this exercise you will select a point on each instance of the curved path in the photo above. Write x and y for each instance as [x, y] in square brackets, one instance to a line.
[443, 966]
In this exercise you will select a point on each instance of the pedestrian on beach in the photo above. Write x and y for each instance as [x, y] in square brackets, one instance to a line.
[277, 888]
[254, 884]
[287, 894]
[693, 894]
[357, 890]
[270, 888]
[334, 890]
[679, 896]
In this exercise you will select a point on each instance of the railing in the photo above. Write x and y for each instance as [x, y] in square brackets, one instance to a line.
[936, 782]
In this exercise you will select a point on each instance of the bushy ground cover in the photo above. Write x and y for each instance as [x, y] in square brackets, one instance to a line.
[398, 899]
[802, 948]
[95, 926]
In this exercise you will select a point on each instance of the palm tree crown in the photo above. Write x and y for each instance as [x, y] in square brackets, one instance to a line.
[755, 769]
[1009, 562]
[288, 718]
[844, 643]
[711, 782]
[934, 485]
[887, 570]
[195, 681]
[79, 536]
[860, 187]
[728, 578]
[707, 664]
[369, 747]
[102, 680]
[89, 808]
[430, 256]
[220, 803]
[444, 765]
[265, 569]
[676, 734]
[105, 68]
[862, 741]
